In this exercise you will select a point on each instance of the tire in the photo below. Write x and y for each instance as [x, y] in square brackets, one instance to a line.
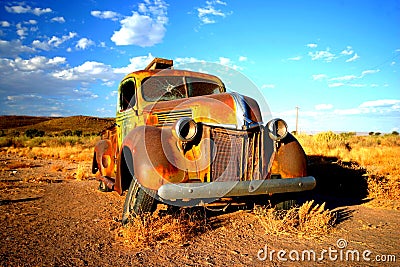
[103, 187]
[137, 201]
[286, 205]
[284, 201]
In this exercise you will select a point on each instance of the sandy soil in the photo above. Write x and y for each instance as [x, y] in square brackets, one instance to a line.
[47, 218]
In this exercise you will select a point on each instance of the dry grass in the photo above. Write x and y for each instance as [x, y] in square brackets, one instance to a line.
[379, 155]
[309, 220]
[82, 172]
[70, 148]
[150, 230]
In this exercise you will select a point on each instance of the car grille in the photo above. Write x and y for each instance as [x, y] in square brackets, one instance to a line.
[237, 155]
[169, 117]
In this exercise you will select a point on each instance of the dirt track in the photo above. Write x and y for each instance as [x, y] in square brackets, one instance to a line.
[48, 220]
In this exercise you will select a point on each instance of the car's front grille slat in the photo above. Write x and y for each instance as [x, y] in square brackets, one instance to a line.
[169, 117]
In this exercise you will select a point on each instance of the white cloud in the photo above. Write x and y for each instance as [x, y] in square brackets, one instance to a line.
[54, 41]
[394, 103]
[186, 60]
[105, 14]
[228, 62]
[323, 106]
[21, 9]
[381, 106]
[348, 51]
[58, 19]
[318, 77]
[5, 24]
[367, 72]
[224, 61]
[143, 28]
[136, 63]
[353, 58]
[31, 22]
[21, 31]
[37, 63]
[335, 85]
[209, 13]
[242, 58]
[13, 48]
[325, 55]
[88, 71]
[344, 78]
[297, 58]
[84, 43]
[312, 45]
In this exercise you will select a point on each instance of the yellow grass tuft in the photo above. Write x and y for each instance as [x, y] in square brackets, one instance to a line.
[309, 220]
[81, 172]
[149, 230]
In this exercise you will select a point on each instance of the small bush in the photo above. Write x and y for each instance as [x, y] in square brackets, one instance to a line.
[31, 133]
[67, 133]
[6, 142]
[78, 133]
[307, 220]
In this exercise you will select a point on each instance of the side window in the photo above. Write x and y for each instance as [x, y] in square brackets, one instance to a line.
[127, 94]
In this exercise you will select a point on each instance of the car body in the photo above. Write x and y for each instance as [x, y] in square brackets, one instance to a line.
[182, 139]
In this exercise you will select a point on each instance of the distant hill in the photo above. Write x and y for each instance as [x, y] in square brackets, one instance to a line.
[9, 122]
[51, 125]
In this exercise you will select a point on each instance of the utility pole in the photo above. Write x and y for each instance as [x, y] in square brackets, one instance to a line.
[297, 120]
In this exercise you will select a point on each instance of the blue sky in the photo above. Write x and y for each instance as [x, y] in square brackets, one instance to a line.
[339, 61]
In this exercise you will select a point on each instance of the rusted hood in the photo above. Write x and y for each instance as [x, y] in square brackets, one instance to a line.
[225, 109]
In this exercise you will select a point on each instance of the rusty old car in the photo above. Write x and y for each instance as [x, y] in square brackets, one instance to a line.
[181, 139]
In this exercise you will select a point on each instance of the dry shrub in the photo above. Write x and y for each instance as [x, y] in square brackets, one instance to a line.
[379, 155]
[77, 152]
[148, 230]
[81, 173]
[305, 221]
[384, 188]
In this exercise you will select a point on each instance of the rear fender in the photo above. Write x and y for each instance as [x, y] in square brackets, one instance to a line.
[144, 155]
[103, 161]
[290, 159]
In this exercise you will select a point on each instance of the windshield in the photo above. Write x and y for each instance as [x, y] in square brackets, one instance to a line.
[163, 88]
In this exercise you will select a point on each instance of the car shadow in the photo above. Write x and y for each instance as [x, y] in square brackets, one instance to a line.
[339, 183]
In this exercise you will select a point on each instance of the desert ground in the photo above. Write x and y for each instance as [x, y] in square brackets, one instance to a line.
[52, 214]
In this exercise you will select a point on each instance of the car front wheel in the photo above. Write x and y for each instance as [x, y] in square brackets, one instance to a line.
[137, 201]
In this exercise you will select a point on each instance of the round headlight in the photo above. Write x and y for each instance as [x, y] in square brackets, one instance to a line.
[277, 129]
[185, 129]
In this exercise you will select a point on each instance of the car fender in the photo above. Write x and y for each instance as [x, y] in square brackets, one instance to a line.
[290, 159]
[103, 158]
[144, 152]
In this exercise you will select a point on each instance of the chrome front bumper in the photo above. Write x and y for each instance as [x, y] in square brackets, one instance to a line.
[235, 188]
